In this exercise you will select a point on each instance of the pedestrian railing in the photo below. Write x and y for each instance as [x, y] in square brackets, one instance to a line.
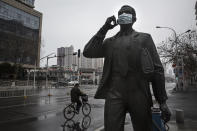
[18, 92]
[23, 83]
[24, 89]
[5, 83]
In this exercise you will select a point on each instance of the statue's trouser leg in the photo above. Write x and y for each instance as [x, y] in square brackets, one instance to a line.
[115, 111]
[133, 100]
[114, 116]
[140, 112]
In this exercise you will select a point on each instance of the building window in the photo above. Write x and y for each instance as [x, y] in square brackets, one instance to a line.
[11, 13]
[28, 20]
[5, 11]
[35, 23]
[19, 17]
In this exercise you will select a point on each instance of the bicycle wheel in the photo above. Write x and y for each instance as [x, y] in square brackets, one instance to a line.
[86, 122]
[86, 109]
[68, 125]
[69, 112]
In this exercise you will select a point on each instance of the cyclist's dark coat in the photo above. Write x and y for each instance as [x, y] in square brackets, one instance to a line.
[75, 94]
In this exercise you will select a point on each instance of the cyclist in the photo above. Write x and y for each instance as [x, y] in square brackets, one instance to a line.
[75, 95]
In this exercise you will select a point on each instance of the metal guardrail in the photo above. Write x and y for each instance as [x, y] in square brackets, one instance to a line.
[5, 83]
[20, 89]
[10, 83]
[18, 93]
[25, 91]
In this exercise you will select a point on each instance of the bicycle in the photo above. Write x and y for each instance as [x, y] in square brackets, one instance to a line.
[70, 111]
[71, 125]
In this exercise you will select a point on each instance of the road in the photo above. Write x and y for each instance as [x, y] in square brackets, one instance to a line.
[47, 111]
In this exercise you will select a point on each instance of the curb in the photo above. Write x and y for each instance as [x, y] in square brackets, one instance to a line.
[100, 129]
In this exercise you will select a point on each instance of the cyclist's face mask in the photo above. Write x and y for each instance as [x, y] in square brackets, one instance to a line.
[124, 19]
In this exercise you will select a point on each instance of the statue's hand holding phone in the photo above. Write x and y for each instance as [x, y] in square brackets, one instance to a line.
[110, 22]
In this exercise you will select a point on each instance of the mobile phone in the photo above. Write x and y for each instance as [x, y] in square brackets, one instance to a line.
[114, 21]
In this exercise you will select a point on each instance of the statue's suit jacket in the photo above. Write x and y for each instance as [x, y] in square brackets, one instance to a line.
[97, 47]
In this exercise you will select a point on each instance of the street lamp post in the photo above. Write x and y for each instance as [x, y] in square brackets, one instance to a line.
[78, 72]
[176, 53]
[35, 67]
[35, 75]
[47, 72]
[183, 72]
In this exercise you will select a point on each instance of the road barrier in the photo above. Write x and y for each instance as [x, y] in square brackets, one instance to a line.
[22, 83]
[18, 92]
[20, 89]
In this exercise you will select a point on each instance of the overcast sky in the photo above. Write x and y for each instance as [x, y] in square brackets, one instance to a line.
[74, 22]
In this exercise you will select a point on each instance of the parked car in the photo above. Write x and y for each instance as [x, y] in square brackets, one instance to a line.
[60, 83]
[71, 83]
[87, 81]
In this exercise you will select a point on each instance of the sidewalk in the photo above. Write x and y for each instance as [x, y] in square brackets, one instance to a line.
[180, 100]
[186, 101]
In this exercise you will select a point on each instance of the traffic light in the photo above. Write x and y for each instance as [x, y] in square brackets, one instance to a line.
[79, 52]
[196, 10]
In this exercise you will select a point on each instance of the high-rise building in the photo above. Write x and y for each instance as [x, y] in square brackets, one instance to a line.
[95, 63]
[75, 63]
[60, 58]
[20, 32]
[29, 3]
[85, 62]
[69, 61]
[65, 57]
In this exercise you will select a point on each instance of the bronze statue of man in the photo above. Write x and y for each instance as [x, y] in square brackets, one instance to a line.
[124, 86]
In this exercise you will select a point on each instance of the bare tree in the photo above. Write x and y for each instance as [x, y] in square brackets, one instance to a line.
[186, 52]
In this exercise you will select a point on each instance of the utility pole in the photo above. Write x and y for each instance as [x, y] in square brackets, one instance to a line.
[183, 75]
[47, 73]
[35, 75]
[78, 72]
[35, 67]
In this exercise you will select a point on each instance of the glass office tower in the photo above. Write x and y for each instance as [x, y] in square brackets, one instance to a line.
[20, 32]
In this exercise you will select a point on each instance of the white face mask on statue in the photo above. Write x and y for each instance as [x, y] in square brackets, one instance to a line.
[124, 19]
